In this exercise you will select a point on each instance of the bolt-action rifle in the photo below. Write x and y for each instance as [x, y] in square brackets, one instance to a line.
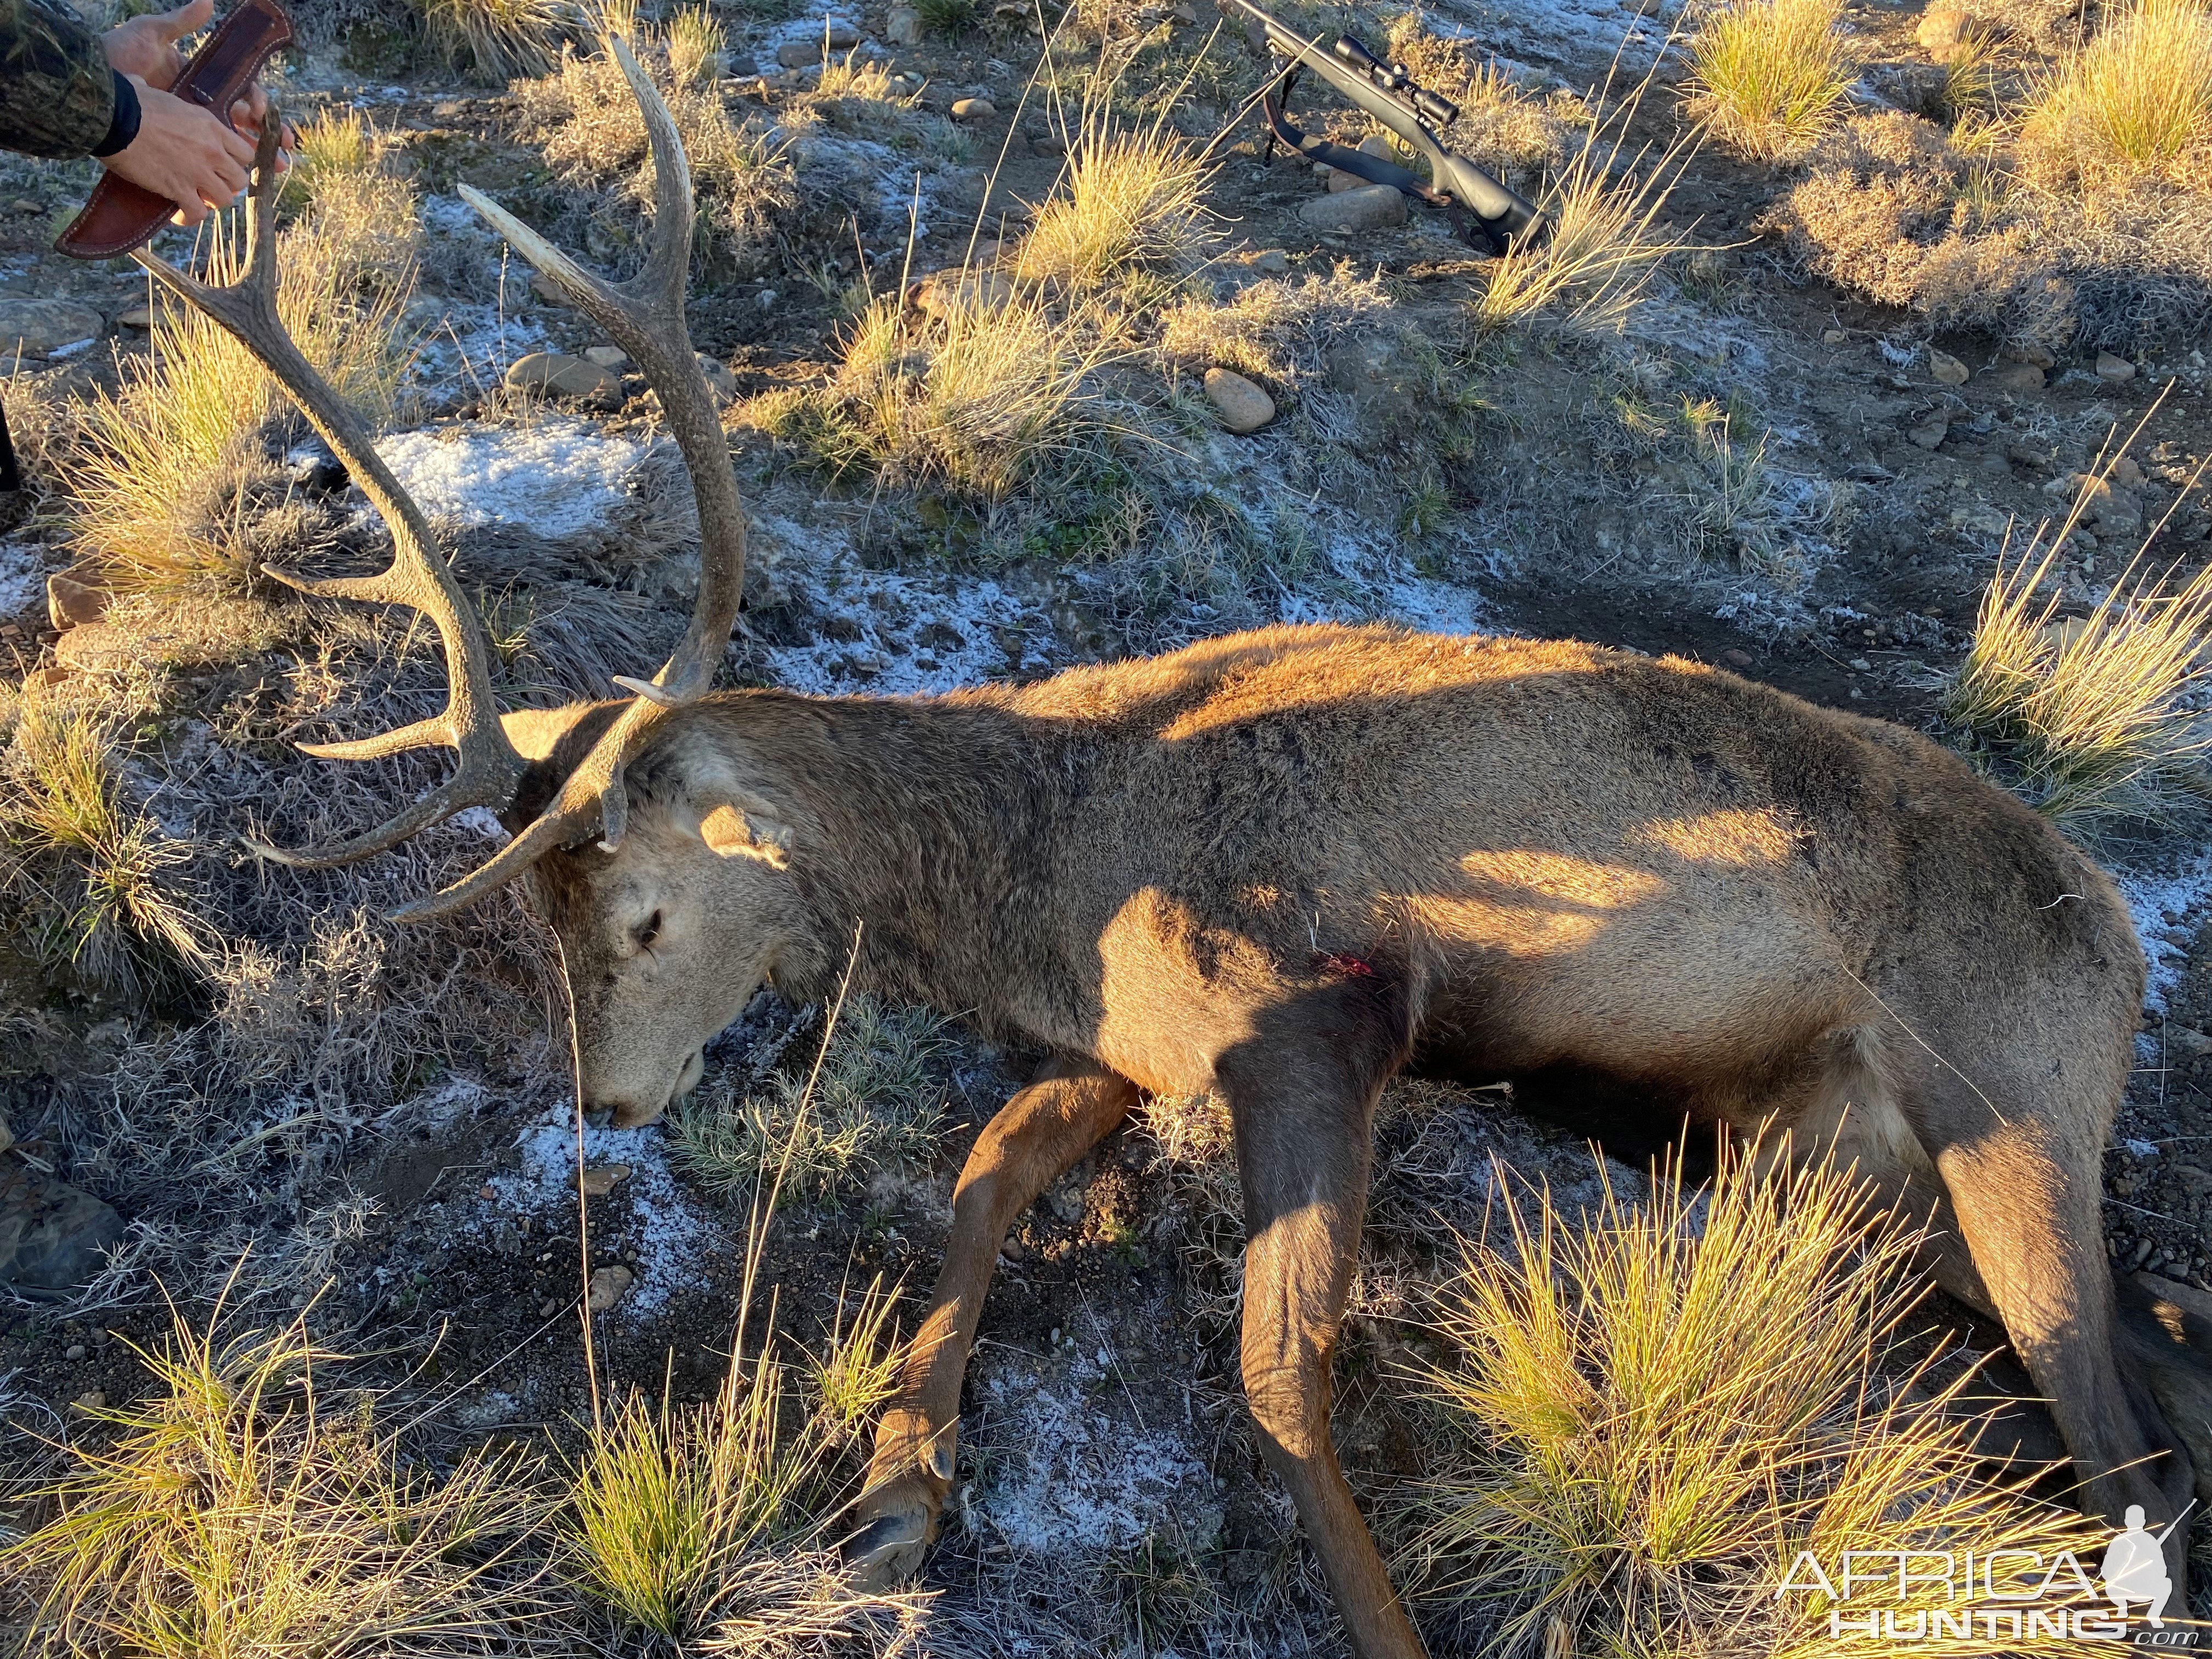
[1486, 214]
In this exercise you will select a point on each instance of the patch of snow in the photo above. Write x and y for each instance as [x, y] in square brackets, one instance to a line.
[2140, 1148]
[556, 477]
[1584, 33]
[1082, 1479]
[2180, 890]
[472, 345]
[22, 577]
[667, 1233]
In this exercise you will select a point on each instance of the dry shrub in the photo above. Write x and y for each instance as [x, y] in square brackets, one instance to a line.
[2136, 100]
[1608, 242]
[586, 121]
[497, 38]
[1275, 329]
[1653, 1408]
[1891, 208]
[247, 1511]
[1766, 75]
[345, 177]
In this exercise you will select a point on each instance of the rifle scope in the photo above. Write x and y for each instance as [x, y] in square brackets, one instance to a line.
[1396, 77]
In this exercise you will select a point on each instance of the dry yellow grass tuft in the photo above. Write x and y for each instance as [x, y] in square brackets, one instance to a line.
[1653, 1409]
[1128, 199]
[497, 38]
[1766, 75]
[246, 1511]
[1607, 244]
[2136, 100]
[2090, 716]
[90, 872]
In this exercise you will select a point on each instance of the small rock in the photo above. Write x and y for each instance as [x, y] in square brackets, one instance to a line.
[599, 1181]
[2119, 512]
[24, 204]
[51, 1234]
[547, 292]
[1738, 658]
[74, 598]
[800, 52]
[7, 1134]
[1273, 261]
[1242, 406]
[2194, 1181]
[973, 109]
[92, 1399]
[140, 317]
[36, 327]
[2127, 473]
[450, 109]
[720, 380]
[609, 1286]
[2115, 370]
[1947, 369]
[549, 1307]
[1339, 181]
[75, 1350]
[2031, 353]
[1930, 433]
[1183, 13]
[766, 299]
[2017, 377]
[1834, 336]
[1861, 664]
[1708, 265]
[556, 374]
[607, 356]
[903, 26]
[842, 35]
[1047, 144]
[1372, 207]
[1941, 29]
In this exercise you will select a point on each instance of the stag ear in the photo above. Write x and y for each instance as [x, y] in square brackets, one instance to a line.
[746, 830]
[552, 742]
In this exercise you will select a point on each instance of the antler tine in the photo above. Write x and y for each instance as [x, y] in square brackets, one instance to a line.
[489, 769]
[643, 315]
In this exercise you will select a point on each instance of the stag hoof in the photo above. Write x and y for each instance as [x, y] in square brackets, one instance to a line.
[894, 1525]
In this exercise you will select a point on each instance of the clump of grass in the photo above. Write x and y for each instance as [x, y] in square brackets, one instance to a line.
[1275, 329]
[496, 39]
[180, 429]
[245, 1510]
[1766, 75]
[858, 1369]
[992, 394]
[360, 209]
[588, 126]
[1128, 198]
[1607, 244]
[2136, 100]
[946, 17]
[870, 1104]
[2091, 716]
[93, 874]
[696, 47]
[1652, 1410]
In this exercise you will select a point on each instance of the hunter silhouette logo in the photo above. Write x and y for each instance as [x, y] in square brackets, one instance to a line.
[2009, 1596]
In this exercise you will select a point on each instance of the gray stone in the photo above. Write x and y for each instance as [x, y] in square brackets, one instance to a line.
[609, 1286]
[2016, 378]
[1947, 369]
[548, 292]
[610, 357]
[74, 598]
[841, 36]
[1930, 433]
[1272, 262]
[973, 109]
[36, 327]
[138, 317]
[51, 1234]
[2117, 370]
[2119, 512]
[903, 27]
[556, 374]
[798, 53]
[1242, 406]
[723, 383]
[1371, 207]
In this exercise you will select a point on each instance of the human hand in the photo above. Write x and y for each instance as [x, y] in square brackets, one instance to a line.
[183, 152]
[146, 47]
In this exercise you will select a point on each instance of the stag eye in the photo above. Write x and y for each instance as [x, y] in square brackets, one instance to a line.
[648, 931]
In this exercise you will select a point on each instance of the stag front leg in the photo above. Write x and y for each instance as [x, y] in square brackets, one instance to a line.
[1069, 1107]
[1302, 1111]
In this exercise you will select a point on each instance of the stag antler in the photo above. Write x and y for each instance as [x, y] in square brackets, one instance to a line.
[644, 317]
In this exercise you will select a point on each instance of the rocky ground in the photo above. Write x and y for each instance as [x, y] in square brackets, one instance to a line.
[1104, 1453]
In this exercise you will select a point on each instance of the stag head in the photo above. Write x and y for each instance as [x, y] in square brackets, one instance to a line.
[628, 899]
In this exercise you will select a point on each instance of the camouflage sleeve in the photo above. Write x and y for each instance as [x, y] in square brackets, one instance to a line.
[57, 92]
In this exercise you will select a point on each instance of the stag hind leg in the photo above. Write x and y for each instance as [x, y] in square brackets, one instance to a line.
[1302, 1095]
[1068, 1107]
